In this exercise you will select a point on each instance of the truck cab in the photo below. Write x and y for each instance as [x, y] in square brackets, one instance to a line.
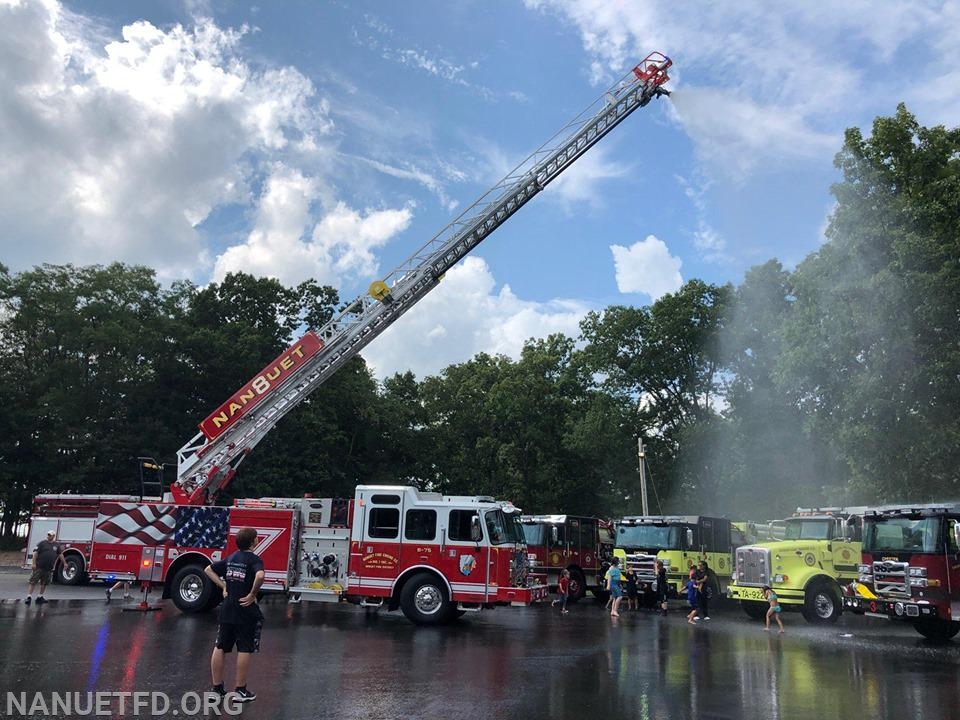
[681, 542]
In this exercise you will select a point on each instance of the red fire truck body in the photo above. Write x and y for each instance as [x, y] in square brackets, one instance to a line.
[910, 568]
[582, 545]
[391, 546]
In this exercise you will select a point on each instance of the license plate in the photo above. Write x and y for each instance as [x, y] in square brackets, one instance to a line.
[742, 593]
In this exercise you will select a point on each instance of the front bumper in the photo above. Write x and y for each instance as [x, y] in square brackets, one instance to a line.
[892, 609]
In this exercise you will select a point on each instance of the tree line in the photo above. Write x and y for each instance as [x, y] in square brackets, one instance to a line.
[837, 382]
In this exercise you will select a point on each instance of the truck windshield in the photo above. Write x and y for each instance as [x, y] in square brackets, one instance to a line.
[503, 529]
[902, 535]
[648, 537]
[535, 534]
[807, 530]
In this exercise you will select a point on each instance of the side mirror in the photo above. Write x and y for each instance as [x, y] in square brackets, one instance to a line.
[688, 535]
[554, 535]
[476, 534]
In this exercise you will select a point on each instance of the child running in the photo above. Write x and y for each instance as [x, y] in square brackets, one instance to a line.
[775, 608]
[692, 595]
[563, 591]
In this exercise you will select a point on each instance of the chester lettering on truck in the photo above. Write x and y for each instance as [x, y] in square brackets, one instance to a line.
[262, 384]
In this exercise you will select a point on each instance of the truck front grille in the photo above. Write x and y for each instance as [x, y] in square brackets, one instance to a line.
[891, 578]
[753, 566]
[645, 566]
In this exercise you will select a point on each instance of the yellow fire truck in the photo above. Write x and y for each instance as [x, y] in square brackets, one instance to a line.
[680, 541]
[807, 569]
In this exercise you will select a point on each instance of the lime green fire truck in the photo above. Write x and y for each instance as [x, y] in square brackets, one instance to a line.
[680, 541]
[807, 569]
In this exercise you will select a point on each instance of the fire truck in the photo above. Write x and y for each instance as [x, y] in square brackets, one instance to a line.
[807, 569]
[434, 557]
[680, 541]
[475, 558]
[582, 545]
[910, 568]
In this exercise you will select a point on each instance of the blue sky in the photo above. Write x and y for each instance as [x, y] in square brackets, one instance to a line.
[331, 139]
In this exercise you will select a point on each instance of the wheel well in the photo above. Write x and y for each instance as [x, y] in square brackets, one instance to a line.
[823, 580]
[405, 578]
[73, 552]
[174, 568]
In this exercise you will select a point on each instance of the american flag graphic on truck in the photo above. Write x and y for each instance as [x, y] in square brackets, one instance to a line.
[142, 524]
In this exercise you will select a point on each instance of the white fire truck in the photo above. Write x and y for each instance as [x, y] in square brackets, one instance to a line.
[430, 555]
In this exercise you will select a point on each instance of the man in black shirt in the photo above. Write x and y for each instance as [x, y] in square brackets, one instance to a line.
[239, 577]
[45, 558]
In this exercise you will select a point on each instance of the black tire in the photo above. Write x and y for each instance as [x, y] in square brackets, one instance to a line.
[216, 598]
[424, 600]
[191, 589]
[937, 630]
[577, 587]
[453, 614]
[71, 570]
[822, 604]
[754, 610]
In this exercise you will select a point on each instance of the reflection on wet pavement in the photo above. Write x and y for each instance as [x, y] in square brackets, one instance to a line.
[344, 662]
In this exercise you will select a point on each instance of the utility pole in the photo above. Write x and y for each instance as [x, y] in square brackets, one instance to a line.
[641, 452]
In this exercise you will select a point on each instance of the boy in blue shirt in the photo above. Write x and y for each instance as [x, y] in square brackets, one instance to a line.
[691, 588]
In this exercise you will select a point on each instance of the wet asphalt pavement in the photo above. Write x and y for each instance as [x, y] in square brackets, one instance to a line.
[326, 661]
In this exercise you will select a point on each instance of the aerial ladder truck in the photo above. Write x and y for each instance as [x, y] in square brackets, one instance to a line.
[208, 462]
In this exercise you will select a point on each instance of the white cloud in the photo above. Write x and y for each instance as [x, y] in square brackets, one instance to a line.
[283, 245]
[647, 267]
[119, 150]
[466, 315]
[579, 185]
[774, 84]
[709, 241]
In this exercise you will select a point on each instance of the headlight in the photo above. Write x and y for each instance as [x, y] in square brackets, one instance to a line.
[779, 578]
[918, 582]
[864, 569]
[918, 572]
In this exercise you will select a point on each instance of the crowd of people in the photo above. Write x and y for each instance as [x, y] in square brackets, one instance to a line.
[697, 591]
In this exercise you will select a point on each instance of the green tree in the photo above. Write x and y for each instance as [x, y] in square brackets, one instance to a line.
[872, 349]
[77, 344]
[663, 363]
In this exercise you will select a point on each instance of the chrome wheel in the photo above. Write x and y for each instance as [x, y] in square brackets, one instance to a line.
[428, 599]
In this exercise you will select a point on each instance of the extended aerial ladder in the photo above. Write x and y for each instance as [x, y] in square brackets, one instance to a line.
[207, 464]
